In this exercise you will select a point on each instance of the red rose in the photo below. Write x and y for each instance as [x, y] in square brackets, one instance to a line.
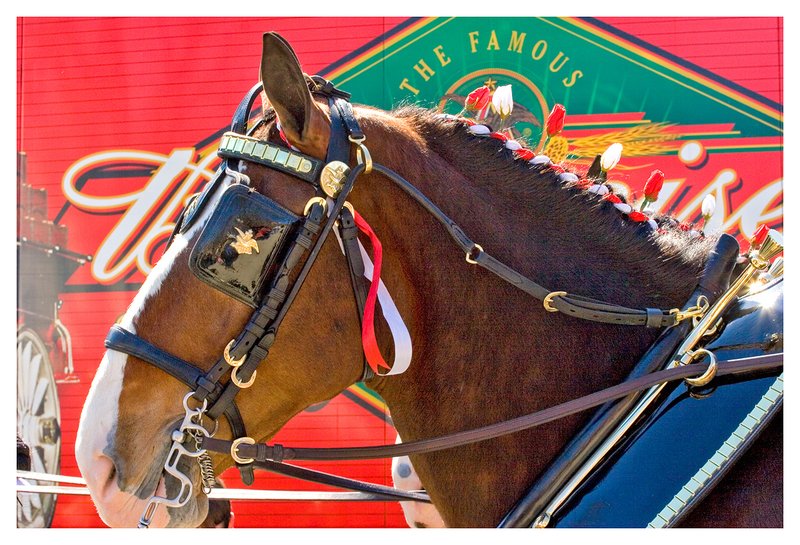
[524, 153]
[555, 121]
[638, 216]
[653, 185]
[478, 99]
[760, 236]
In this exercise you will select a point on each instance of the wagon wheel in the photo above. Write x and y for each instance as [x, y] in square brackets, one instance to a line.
[38, 423]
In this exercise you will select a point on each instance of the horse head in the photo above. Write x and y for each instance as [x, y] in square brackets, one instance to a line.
[133, 407]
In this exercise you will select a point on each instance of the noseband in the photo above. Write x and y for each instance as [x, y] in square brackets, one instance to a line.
[244, 221]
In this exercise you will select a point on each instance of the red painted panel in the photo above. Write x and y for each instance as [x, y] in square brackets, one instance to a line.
[745, 50]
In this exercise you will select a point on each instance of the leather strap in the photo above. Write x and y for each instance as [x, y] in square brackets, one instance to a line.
[242, 113]
[348, 231]
[574, 305]
[124, 341]
[345, 114]
[279, 453]
[338, 143]
[341, 482]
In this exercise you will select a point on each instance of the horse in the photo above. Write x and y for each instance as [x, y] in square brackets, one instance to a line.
[483, 351]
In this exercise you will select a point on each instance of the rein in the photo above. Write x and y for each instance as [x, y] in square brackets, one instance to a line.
[333, 182]
[278, 453]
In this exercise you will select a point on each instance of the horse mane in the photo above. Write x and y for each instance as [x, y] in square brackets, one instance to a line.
[516, 182]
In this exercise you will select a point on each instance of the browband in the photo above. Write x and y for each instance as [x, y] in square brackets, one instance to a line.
[237, 146]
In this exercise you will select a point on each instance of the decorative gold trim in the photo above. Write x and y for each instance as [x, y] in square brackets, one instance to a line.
[758, 260]
[331, 179]
[244, 242]
[721, 457]
[252, 147]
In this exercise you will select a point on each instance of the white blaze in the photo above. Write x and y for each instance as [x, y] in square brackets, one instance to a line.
[101, 409]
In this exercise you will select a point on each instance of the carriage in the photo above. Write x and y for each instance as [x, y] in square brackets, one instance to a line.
[44, 345]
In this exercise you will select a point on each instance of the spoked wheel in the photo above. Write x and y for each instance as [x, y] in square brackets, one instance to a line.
[38, 423]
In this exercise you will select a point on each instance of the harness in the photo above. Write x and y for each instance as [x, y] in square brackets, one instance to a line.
[281, 248]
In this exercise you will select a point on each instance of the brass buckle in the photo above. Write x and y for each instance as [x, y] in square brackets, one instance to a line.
[475, 250]
[548, 300]
[315, 200]
[235, 446]
[238, 382]
[228, 358]
[695, 313]
[236, 364]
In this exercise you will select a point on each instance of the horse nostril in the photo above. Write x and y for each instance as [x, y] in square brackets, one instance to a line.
[101, 475]
[112, 474]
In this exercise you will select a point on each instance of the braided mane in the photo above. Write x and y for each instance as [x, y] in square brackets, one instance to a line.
[488, 162]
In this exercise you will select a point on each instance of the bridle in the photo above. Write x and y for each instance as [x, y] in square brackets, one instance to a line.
[296, 247]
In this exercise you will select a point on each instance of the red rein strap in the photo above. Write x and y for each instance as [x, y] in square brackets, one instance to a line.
[368, 340]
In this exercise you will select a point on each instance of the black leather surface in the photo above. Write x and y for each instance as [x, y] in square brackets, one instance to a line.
[240, 243]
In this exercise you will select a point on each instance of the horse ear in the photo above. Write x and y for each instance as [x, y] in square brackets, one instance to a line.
[287, 91]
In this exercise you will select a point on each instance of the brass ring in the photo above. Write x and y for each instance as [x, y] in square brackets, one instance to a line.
[477, 247]
[227, 355]
[235, 446]
[238, 382]
[312, 201]
[548, 300]
[350, 207]
[363, 156]
[709, 373]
